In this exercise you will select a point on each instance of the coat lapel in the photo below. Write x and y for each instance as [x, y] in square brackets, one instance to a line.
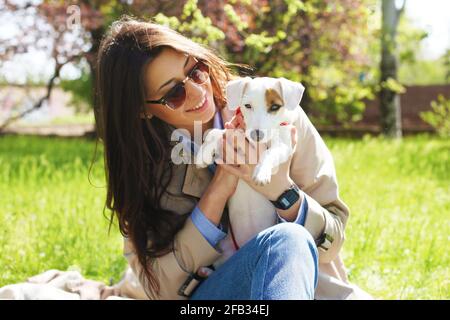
[195, 180]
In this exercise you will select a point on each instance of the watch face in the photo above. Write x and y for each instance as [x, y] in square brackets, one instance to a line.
[284, 202]
[287, 199]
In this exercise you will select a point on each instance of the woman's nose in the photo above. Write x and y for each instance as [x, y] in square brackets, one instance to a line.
[194, 92]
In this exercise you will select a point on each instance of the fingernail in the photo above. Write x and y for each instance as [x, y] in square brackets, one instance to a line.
[238, 110]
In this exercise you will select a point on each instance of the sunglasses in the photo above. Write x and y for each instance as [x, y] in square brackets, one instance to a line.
[176, 96]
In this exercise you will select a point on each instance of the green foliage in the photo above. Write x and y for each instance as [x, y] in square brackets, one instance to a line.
[193, 24]
[333, 48]
[393, 85]
[422, 72]
[396, 235]
[231, 14]
[321, 44]
[262, 42]
[412, 69]
[272, 40]
[439, 117]
[320, 50]
[409, 40]
[112, 10]
[425, 72]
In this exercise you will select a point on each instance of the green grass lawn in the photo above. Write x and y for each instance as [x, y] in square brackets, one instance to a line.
[51, 216]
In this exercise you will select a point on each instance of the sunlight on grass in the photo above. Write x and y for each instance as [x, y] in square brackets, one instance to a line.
[397, 234]
[52, 217]
[396, 238]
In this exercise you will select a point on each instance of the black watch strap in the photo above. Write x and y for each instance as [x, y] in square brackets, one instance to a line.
[287, 198]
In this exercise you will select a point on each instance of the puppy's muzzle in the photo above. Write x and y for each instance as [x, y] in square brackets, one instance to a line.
[257, 134]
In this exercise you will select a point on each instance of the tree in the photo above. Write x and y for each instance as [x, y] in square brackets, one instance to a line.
[321, 43]
[67, 40]
[389, 99]
[51, 30]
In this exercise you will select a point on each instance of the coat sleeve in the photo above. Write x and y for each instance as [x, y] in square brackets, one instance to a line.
[191, 251]
[313, 170]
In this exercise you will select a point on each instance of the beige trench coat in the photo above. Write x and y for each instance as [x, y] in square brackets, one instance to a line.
[312, 168]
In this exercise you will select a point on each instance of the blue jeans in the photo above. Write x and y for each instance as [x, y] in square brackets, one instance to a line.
[280, 263]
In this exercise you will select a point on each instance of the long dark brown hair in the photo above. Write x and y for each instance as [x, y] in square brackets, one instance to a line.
[137, 151]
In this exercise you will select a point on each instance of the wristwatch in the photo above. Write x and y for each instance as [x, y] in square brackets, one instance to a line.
[287, 198]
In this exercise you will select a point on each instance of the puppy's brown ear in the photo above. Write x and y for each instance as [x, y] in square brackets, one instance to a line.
[292, 92]
[235, 89]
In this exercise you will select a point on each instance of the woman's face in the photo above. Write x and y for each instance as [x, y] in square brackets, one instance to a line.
[161, 74]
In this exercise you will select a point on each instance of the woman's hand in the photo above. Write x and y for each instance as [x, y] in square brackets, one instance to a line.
[280, 181]
[216, 195]
[224, 182]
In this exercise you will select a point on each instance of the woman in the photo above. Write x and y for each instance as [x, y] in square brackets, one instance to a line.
[151, 81]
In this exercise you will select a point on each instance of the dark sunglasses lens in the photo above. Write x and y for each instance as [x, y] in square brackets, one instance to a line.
[176, 96]
[200, 73]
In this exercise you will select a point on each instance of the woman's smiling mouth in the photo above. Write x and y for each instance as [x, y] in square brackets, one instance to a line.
[201, 106]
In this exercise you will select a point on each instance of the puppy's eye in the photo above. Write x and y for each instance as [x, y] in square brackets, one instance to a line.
[274, 107]
[248, 106]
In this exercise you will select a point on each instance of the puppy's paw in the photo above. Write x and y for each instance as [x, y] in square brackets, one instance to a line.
[202, 160]
[262, 175]
[201, 165]
[205, 156]
[207, 152]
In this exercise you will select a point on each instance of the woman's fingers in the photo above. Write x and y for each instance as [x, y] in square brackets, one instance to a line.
[233, 169]
[248, 148]
[234, 156]
[233, 143]
[229, 125]
[238, 143]
[230, 154]
[241, 146]
[236, 122]
[240, 121]
[240, 155]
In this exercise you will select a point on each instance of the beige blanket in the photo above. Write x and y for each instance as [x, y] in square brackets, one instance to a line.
[71, 285]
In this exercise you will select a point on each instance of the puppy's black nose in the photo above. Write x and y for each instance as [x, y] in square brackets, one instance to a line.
[257, 134]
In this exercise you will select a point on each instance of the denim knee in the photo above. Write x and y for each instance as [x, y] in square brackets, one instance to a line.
[288, 238]
[291, 234]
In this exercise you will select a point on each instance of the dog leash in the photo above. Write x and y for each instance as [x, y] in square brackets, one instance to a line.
[236, 246]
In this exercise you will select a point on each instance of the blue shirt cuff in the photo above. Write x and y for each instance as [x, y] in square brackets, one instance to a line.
[301, 215]
[208, 229]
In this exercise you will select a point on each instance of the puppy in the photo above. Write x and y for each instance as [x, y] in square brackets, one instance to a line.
[267, 106]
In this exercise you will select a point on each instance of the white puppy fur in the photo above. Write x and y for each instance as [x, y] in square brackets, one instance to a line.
[265, 103]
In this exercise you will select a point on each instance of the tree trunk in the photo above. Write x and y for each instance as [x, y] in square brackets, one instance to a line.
[389, 100]
[46, 97]
[306, 46]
